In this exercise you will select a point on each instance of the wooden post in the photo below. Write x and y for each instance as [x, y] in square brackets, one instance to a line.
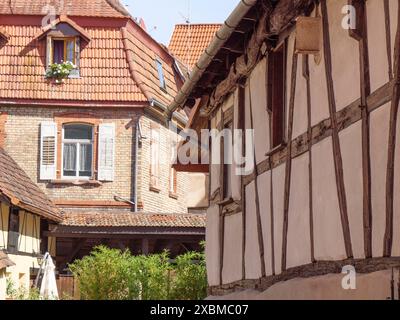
[257, 195]
[306, 75]
[145, 246]
[388, 240]
[335, 133]
[365, 90]
[288, 172]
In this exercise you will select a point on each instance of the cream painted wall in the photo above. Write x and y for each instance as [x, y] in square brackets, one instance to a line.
[212, 245]
[232, 269]
[350, 142]
[278, 182]
[377, 53]
[264, 185]
[345, 58]
[29, 243]
[298, 240]
[252, 252]
[259, 107]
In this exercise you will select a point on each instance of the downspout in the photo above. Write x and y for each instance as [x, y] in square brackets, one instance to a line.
[138, 138]
[219, 40]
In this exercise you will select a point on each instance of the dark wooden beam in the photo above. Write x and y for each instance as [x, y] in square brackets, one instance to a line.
[337, 155]
[394, 108]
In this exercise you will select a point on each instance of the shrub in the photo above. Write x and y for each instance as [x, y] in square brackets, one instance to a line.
[106, 274]
[190, 278]
[110, 274]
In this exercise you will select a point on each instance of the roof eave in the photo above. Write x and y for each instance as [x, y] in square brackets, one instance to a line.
[219, 40]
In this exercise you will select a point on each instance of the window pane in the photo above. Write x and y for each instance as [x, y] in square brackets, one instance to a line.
[85, 161]
[58, 51]
[70, 50]
[78, 132]
[161, 74]
[69, 161]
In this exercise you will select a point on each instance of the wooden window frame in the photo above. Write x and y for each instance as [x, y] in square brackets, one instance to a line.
[73, 118]
[65, 40]
[277, 143]
[78, 143]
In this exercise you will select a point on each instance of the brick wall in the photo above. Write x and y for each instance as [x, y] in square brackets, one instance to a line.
[22, 142]
[160, 201]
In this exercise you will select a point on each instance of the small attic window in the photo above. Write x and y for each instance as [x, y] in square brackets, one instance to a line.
[63, 50]
[161, 77]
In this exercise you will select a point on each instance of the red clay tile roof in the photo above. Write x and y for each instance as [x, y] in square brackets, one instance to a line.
[113, 219]
[116, 65]
[22, 192]
[98, 8]
[197, 37]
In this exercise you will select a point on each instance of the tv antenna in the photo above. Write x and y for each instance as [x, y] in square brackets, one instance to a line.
[187, 20]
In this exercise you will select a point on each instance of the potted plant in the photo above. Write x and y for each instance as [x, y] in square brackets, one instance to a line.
[60, 71]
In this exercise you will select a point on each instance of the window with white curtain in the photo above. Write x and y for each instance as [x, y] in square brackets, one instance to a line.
[77, 151]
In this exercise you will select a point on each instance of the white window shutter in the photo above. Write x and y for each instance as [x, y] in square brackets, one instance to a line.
[155, 157]
[106, 152]
[48, 150]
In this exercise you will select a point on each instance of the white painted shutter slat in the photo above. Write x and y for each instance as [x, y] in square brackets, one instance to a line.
[106, 148]
[48, 150]
[155, 157]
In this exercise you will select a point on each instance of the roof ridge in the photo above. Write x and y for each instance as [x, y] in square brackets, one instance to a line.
[117, 5]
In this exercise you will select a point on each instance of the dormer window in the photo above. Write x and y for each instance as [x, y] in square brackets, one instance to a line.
[63, 49]
[161, 77]
[64, 38]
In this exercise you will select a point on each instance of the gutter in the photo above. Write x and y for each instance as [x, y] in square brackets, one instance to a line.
[219, 40]
[179, 117]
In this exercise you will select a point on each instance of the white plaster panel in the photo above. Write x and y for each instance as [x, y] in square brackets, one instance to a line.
[278, 179]
[328, 232]
[252, 254]
[260, 114]
[299, 244]
[345, 58]
[377, 35]
[351, 145]
[232, 268]
[264, 186]
[379, 149]
[212, 246]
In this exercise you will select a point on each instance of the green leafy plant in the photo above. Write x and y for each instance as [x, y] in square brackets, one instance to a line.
[106, 274]
[110, 274]
[60, 71]
[190, 278]
[21, 293]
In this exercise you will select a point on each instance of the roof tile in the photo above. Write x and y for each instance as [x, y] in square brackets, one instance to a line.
[17, 186]
[197, 37]
[115, 219]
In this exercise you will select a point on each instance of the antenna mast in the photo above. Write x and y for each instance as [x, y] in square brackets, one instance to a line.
[189, 38]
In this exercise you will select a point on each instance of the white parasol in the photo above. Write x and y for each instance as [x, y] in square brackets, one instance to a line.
[48, 287]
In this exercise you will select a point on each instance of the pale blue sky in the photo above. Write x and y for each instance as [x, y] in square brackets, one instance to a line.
[164, 14]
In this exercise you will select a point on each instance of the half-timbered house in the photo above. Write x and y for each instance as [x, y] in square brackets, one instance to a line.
[318, 83]
[25, 212]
